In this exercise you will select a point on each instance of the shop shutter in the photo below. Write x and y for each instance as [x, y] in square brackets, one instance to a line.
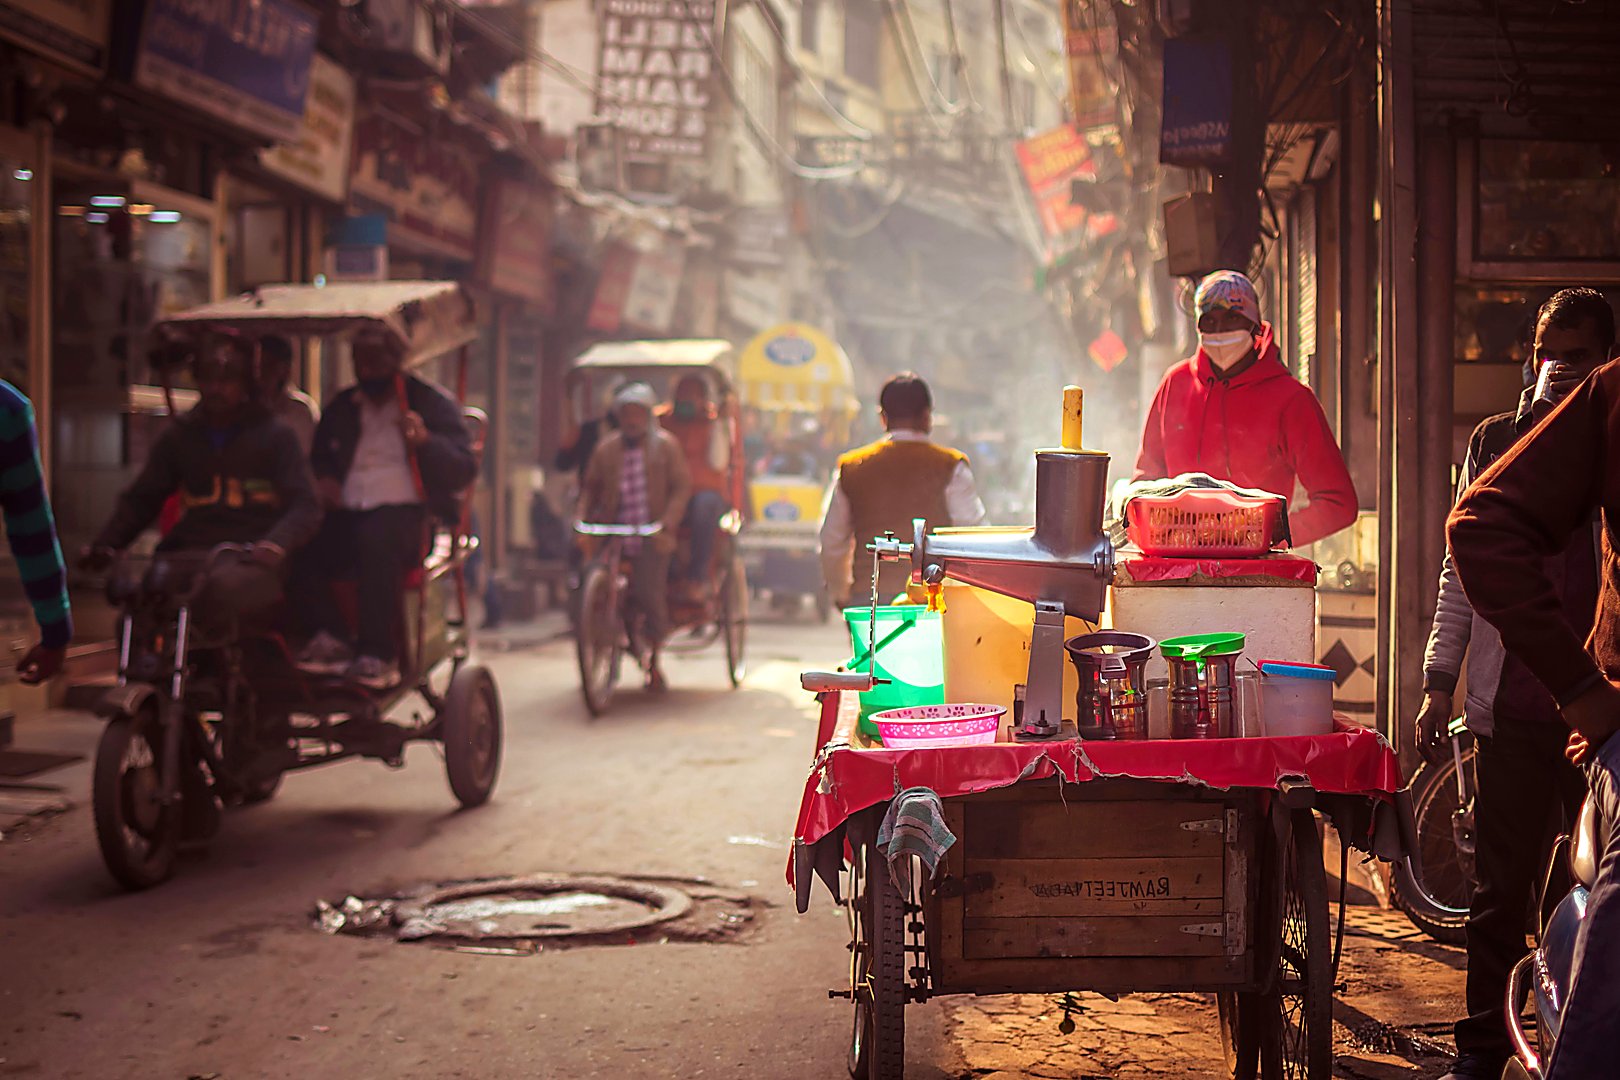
[1305, 284]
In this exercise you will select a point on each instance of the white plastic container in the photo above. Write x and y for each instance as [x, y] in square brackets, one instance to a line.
[1296, 699]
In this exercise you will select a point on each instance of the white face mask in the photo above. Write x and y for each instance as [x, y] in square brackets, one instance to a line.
[1227, 349]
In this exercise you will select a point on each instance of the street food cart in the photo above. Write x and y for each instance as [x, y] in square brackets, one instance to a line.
[799, 384]
[1072, 855]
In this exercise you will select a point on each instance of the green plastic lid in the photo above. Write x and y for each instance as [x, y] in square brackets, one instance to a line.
[1196, 646]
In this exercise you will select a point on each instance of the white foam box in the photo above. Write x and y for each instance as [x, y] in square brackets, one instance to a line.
[1276, 614]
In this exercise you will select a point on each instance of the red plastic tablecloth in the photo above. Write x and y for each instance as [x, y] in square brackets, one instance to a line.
[844, 780]
[1162, 568]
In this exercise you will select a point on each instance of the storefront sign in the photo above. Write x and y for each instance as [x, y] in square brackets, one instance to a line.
[318, 160]
[73, 30]
[1197, 103]
[1092, 43]
[759, 236]
[654, 288]
[246, 62]
[612, 287]
[517, 240]
[754, 300]
[427, 187]
[656, 70]
[1049, 163]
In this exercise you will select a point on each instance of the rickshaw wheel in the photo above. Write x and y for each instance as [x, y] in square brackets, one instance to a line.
[138, 835]
[1297, 1030]
[877, 1049]
[596, 639]
[471, 730]
[734, 620]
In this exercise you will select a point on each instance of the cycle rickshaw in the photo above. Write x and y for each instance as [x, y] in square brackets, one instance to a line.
[235, 703]
[606, 626]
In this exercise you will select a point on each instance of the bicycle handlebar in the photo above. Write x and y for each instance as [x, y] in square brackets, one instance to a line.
[586, 528]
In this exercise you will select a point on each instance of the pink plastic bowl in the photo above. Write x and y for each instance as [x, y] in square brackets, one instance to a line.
[939, 725]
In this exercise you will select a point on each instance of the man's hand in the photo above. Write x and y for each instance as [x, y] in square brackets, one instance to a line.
[40, 664]
[1577, 748]
[414, 428]
[1595, 715]
[1433, 724]
[329, 491]
[96, 558]
[267, 554]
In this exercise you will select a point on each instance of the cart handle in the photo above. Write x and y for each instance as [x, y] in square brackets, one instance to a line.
[824, 682]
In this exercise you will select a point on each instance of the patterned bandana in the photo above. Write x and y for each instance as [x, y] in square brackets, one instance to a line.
[1228, 290]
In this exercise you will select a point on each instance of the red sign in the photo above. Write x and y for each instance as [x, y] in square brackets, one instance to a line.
[612, 289]
[517, 239]
[1049, 162]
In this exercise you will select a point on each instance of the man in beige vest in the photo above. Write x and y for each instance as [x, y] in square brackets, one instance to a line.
[882, 487]
[638, 476]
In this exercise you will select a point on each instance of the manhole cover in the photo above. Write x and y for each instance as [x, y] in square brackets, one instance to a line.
[547, 909]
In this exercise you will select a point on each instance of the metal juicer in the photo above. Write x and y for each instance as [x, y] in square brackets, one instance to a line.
[1062, 565]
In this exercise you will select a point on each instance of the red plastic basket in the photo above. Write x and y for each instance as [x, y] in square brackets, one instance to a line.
[1202, 524]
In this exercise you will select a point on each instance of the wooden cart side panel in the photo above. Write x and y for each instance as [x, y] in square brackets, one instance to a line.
[1034, 887]
[943, 918]
[1118, 936]
[1093, 830]
[1109, 975]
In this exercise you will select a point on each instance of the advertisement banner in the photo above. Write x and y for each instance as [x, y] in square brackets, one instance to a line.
[655, 287]
[1092, 43]
[72, 30]
[1049, 163]
[1197, 103]
[656, 75]
[318, 160]
[612, 288]
[428, 188]
[517, 241]
[246, 62]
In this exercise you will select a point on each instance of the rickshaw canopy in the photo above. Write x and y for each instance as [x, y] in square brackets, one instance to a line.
[426, 318]
[796, 368]
[626, 358]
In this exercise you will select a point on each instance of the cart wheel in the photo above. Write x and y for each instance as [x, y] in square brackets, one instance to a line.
[1239, 1016]
[734, 620]
[137, 833]
[1297, 1039]
[471, 729]
[877, 966]
[596, 638]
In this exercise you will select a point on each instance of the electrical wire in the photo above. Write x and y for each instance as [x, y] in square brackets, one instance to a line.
[900, 19]
[1030, 54]
[849, 126]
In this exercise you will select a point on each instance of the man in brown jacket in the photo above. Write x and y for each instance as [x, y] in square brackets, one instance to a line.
[638, 476]
[1522, 511]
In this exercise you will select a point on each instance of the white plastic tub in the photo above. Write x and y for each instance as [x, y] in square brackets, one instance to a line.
[1296, 699]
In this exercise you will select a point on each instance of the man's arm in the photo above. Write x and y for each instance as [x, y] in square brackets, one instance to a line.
[1453, 624]
[447, 455]
[1524, 509]
[962, 498]
[300, 509]
[30, 526]
[142, 501]
[1319, 464]
[837, 541]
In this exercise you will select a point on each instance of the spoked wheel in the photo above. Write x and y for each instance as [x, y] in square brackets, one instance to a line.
[596, 639]
[734, 620]
[877, 969]
[1437, 896]
[1239, 1015]
[137, 833]
[1297, 1029]
[471, 729]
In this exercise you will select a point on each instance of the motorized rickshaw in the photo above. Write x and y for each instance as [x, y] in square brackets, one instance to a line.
[606, 625]
[800, 385]
[235, 701]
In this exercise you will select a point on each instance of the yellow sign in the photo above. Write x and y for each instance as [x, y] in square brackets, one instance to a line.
[795, 366]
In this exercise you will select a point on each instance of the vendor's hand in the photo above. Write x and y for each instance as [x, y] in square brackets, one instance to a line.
[665, 539]
[415, 429]
[96, 558]
[1595, 715]
[41, 663]
[329, 491]
[1433, 722]
[267, 553]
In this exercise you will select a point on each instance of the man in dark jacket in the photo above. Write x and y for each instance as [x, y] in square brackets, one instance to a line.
[389, 452]
[1523, 784]
[242, 479]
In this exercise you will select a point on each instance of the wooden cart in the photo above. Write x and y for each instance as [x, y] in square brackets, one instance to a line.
[1115, 885]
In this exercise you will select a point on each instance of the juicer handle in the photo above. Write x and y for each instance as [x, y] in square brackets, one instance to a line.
[823, 682]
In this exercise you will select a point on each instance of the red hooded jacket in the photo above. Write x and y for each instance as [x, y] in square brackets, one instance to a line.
[1261, 429]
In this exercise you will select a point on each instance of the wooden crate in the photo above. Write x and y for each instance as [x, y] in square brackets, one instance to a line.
[1111, 885]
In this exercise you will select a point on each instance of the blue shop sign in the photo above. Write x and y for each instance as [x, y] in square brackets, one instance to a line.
[1197, 127]
[245, 62]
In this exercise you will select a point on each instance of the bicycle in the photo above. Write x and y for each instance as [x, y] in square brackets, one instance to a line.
[1435, 887]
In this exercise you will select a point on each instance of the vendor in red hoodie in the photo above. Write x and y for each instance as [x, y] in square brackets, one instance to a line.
[1233, 411]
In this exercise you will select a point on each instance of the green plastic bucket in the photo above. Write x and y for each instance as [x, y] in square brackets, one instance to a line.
[910, 654]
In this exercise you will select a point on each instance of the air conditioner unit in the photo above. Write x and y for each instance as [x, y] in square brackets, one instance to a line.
[412, 29]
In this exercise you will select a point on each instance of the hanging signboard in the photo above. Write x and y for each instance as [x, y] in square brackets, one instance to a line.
[73, 30]
[517, 241]
[656, 75]
[612, 287]
[428, 188]
[246, 62]
[1048, 164]
[649, 306]
[1197, 127]
[1091, 42]
[318, 160]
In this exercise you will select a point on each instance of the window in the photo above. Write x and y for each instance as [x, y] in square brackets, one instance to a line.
[1525, 209]
[810, 25]
[862, 38]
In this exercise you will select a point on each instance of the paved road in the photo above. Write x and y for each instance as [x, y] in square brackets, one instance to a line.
[219, 973]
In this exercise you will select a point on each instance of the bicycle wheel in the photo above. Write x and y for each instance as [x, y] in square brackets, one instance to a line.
[1436, 894]
[1297, 1030]
[597, 639]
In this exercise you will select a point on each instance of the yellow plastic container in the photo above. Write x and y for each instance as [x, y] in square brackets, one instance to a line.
[987, 647]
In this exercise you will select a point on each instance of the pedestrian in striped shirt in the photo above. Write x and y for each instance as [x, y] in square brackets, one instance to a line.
[31, 532]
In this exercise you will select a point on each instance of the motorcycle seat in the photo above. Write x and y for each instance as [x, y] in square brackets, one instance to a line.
[1586, 844]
